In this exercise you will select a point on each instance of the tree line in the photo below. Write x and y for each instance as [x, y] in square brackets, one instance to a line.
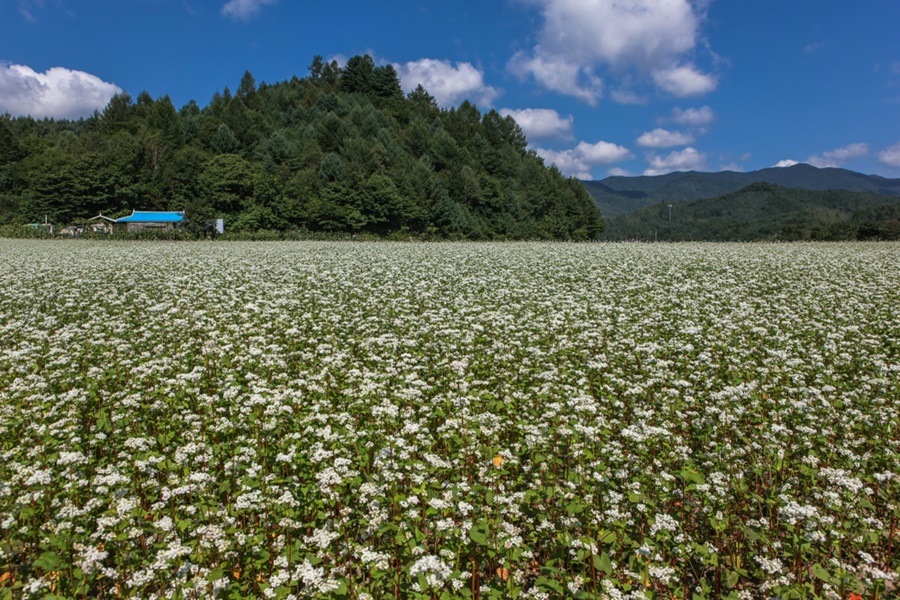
[765, 211]
[340, 150]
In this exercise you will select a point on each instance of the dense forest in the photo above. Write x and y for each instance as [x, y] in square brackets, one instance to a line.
[619, 195]
[340, 150]
[764, 211]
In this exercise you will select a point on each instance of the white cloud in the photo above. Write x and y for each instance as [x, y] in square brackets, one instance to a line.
[540, 123]
[26, 8]
[577, 161]
[448, 84]
[695, 117]
[602, 153]
[787, 162]
[688, 159]
[662, 138]
[559, 75]
[625, 33]
[650, 36]
[627, 97]
[813, 47]
[890, 157]
[732, 166]
[58, 93]
[684, 81]
[839, 156]
[242, 10]
[618, 172]
[340, 59]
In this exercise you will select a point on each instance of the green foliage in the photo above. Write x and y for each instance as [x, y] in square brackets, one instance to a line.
[619, 195]
[342, 150]
[763, 211]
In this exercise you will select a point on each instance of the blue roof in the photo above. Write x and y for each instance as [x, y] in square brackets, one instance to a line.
[150, 216]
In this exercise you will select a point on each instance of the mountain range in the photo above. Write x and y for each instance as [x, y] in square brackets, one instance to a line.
[621, 195]
[765, 211]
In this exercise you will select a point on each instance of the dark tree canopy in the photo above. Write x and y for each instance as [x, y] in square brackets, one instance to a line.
[340, 150]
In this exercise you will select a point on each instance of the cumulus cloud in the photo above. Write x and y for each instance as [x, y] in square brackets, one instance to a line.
[890, 157]
[241, 10]
[578, 161]
[650, 36]
[57, 93]
[662, 138]
[541, 123]
[449, 84]
[787, 162]
[684, 81]
[559, 75]
[839, 156]
[688, 159]
[618, 172]
[695, 117]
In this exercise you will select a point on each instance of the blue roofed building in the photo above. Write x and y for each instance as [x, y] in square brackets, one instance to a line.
[139, 220]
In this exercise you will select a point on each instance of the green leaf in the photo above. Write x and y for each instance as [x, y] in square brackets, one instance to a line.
[690, 474]
[821, 572]
[602, 563]
[548, 583]
[479, 535]
[606, 537]
[48, 561]
[751, 535]
[732, 579]
[341, 591]
[574, 508]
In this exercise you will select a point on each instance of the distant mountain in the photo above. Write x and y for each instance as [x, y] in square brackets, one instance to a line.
[621, 195]
[764, 211]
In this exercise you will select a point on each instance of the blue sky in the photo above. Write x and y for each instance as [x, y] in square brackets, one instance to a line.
[600, 86]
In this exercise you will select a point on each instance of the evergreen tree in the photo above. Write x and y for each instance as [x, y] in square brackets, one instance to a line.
[316, 68]
[358, 74]
[386, 83]
[117, 113]
[247, 87]
[342, 150]
[9, 147]
[224, 141]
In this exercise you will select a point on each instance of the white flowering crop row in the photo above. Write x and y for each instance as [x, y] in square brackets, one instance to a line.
[380, 420]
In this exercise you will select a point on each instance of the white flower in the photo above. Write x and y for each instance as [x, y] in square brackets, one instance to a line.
[435, 571]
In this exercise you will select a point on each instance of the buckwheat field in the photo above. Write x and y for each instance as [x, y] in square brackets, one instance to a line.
[387, 420]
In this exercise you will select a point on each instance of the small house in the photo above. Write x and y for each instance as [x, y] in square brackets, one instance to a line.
[140, 220]
[99, 224]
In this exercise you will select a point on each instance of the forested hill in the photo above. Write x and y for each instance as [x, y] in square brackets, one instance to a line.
[763, 211]
[619, 195]
[342, 149]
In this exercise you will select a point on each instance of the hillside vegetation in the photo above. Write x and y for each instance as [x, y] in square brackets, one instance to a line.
[620, 195]
[341, 150]
[765, 211]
